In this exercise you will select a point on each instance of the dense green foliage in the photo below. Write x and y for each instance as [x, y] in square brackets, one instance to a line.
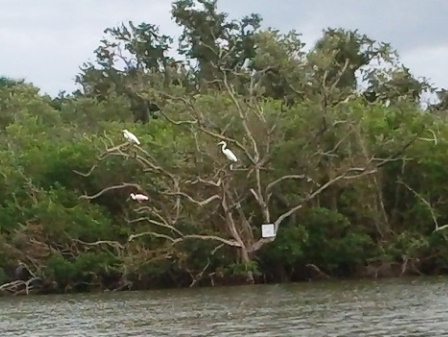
[352, 178]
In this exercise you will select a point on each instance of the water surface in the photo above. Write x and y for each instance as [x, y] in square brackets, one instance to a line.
[403, 307]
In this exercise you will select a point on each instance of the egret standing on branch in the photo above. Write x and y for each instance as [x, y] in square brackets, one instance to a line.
[130, 137]
[139, 197]
[229, 154]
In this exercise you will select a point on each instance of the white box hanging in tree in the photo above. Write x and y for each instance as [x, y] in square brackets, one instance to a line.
[268, 230]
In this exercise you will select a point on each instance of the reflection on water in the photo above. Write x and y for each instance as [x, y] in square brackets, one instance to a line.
[384, 308]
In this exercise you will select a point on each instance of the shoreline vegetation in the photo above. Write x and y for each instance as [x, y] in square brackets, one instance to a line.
[354, 180]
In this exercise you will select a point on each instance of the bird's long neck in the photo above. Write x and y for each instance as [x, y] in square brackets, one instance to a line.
[224, 146]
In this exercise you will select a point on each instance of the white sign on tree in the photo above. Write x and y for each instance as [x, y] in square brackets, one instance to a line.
[268, 230]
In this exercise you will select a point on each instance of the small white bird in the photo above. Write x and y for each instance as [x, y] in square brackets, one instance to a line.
[229, 154]
[130, 137]
[139, 197]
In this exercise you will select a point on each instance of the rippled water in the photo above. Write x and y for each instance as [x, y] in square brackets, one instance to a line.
[383, 308]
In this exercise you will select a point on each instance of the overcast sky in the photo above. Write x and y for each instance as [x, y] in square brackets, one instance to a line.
[46, 41]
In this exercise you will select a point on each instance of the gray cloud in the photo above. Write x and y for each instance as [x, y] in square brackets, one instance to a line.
[46, 41]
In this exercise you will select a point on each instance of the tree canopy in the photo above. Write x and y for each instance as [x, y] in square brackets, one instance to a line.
[333, 147]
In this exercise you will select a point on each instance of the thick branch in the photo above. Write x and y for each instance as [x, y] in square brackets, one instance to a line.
[14, 285]
[206, 182]
[286, 177]
[114, 244]
[174, 241]
[360, 172]
[161, 223]
[230, 222]
[111, 188]
[199, 203]
[312, 195]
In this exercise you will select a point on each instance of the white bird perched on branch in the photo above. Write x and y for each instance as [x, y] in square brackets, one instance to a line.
[229, 154]
[130, 137]
[139, 197]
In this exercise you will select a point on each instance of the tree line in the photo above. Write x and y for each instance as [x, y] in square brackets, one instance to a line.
[351, 176]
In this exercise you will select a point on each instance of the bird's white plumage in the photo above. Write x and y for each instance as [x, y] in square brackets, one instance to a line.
[139, 197]
[229, 154]
[130, 137]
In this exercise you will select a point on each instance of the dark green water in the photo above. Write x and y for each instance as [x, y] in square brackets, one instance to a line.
[405, 307]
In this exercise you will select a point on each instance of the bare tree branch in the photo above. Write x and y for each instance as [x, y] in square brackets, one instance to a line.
[428, 205]
[113, 244]
[243, 118]
[162, 223]
[292, 176]
[359, 172]
[111, 188]
[174, 241]
[199, 203]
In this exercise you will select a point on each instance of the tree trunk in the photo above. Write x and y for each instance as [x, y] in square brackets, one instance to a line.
[245, 258]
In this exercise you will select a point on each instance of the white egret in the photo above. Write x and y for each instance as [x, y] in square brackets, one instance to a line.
[139, 197]
[130, 137]
[229, 154]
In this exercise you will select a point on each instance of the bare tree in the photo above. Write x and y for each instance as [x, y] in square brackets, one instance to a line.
[226, 205]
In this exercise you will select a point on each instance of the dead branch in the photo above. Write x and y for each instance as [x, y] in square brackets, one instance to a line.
[101, 157]
[231, 243]
[87, 174]
[286, 177]
[230, 222]
[151, 164]
[427, 204]
[11, 285]
[199, 276]
[243, 118]
[318, 271]
[16, 287]
[196, 121]
[359, 172]
[113, 244]
[341, 73]
[199, 203]
[245, 222]
[111, 188]
[206, 182]
[312, 195]
[162, 223]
